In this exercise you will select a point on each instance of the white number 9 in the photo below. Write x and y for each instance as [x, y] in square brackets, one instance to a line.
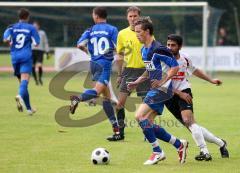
[20, 39]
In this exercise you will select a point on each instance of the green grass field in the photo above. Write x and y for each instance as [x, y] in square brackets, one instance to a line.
[5, 60]
[33, 144]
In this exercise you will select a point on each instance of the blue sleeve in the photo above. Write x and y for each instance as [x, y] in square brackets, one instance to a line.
[35, 37]
[83, 40]
[171, 62]
[114, 36]
[7, 34]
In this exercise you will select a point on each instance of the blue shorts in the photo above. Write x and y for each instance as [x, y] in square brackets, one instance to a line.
[101, 71]
[22, 67]
[155, 99]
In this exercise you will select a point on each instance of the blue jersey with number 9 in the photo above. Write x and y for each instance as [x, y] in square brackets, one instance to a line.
[21, 35]
[101, 41]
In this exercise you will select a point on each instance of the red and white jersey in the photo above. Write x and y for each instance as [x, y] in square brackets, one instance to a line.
[186, 69]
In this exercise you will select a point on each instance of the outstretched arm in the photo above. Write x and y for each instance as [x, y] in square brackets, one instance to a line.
[7, 36]
[199, 73]
[185, 96]
[170, 73]
[142, 78]
[83, 40]
[169, 61]
[119, 62]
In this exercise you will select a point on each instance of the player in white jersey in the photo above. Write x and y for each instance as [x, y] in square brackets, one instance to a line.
[181, 105]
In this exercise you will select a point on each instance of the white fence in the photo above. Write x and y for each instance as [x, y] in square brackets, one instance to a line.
[219, 58]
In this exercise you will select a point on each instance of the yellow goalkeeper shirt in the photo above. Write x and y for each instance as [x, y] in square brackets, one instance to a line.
[130, 47]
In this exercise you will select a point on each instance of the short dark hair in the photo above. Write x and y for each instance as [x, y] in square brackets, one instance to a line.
[177, 38]
[134, 8]
[146, 23]
[100, 12]
[23, 13]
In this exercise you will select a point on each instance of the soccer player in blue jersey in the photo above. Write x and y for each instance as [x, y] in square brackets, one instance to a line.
[99, 41]
[156, 58]
[20, 36]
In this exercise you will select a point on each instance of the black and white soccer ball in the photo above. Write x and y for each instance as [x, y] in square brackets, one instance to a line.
[100, 156]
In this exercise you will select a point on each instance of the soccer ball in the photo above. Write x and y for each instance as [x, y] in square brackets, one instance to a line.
[100, 156]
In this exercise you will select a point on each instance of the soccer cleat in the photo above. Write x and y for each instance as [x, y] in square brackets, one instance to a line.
[20, 103]
[223, 150]
[202, 156]
[182, 151]
[155, 158]
[31, 112]
[74, 103]
[115, 137]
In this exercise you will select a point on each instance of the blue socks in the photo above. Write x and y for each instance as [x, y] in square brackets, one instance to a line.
[88, 95]
[23, 92]
[163, 135]
[108, 109]
[149, 133]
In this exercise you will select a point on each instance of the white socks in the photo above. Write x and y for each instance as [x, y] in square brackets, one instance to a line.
[200, 134]
[155, 144]
[172, 139]
[209, 137]
[198, 137]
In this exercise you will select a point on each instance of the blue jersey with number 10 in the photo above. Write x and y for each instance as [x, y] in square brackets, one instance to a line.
[21, 35]
[101, 41]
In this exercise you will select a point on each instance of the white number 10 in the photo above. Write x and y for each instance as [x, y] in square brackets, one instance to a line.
[97, 45]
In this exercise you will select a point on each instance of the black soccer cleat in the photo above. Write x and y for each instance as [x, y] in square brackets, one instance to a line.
[116, 137]
[223, 150]
[74, 104]
[202, 156]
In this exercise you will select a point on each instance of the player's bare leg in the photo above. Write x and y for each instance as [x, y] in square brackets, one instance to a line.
[143, 117]
[22, 99]
[40, 72]
[108, 108]
[209, 137]
[93, 102]
[197, 135]
[188, 119]
[87, 95]
[99, 88]
[34, 74]
[122, 98]
[160, 133]
[143, 113]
